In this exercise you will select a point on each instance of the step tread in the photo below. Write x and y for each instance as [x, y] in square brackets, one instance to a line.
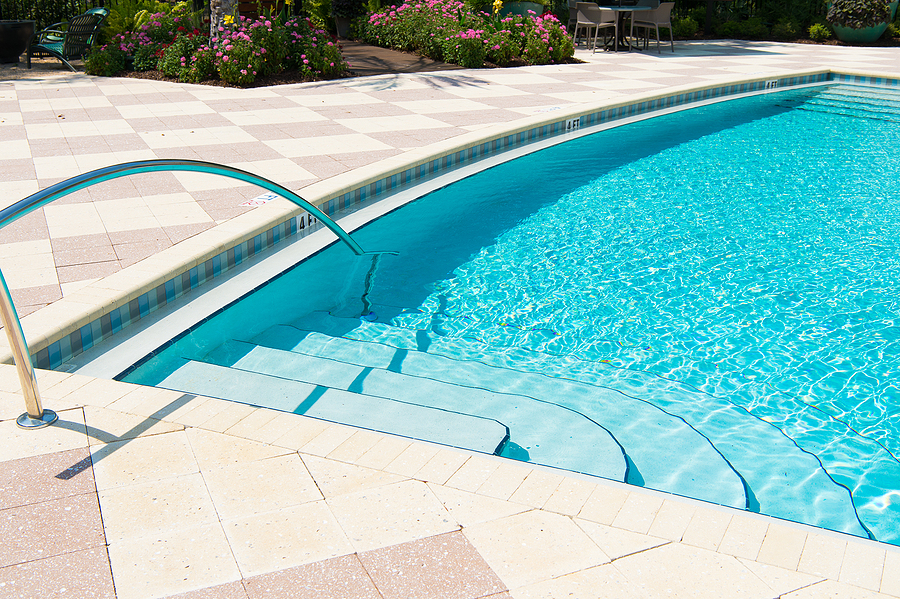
[744, 440]
[701, 471]
[573, 442]
[373, 413]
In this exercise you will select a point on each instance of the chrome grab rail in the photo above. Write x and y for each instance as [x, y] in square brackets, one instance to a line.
[36, 416]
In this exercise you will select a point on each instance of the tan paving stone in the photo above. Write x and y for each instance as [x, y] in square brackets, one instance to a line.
[533, 547]
[616, 542]
[638, 512]
[144, 459]
[782, 546]
[672, 519]
[184, 559]
[472, 474]
[822, 556]
[215, 450]
[537, 488]
[677, 570]
[707, 528]
[599, 582]
[391, 514]
[863, 565]
[157, 507]
[604, 504]
[473, 508]
[335, 478]
[248, 488]
[285, 538]
[744, 537]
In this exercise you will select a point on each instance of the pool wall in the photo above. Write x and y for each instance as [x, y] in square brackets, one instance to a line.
[77, 322]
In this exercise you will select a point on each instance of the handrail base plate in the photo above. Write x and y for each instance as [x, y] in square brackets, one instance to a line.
[47, 418]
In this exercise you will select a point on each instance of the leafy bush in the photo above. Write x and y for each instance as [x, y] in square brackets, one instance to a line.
[451, 31]
[176, 58]
[685, 28]
[126, 16]
[238, 56]
[819, 32]
[752, 28]
[348, 8]
[785, 30]
[858, 14]
[105, 63]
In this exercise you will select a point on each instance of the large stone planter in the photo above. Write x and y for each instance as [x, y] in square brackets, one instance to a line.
[521, 8]
[866, 35]
[14, 38]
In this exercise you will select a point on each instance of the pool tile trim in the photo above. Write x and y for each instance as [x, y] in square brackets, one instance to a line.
[54, 348]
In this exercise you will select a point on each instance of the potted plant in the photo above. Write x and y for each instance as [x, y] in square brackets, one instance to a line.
[344, 11]
[860, 21]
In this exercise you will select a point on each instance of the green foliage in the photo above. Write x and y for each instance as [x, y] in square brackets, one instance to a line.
[752, 28]
[348, 8]
[858, 14]
[893, 30]
[176, 58]
[105, 63]
[202, 66]
[130, 15]
[785, 30]
[819, 32]
[685, 28]
[450, 30]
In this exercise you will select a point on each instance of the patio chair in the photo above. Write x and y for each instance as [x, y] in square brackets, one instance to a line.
[573, 16]
[590, 16]
[662, 15]
[67, 40]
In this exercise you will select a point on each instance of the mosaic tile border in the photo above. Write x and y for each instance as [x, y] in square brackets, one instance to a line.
[62, 350]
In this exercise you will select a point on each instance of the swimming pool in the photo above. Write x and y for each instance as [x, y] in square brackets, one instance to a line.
[624, 306]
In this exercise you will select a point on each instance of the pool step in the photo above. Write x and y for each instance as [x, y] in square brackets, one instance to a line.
[856, 101]
[644, 431]
[768, 460]
[373, 413]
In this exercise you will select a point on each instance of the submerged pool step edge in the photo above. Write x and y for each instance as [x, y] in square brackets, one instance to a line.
[572, 441]
[702, 473]
[463, 431]
[767, 461]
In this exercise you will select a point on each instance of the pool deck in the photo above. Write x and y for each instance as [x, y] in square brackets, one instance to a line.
[141, 493]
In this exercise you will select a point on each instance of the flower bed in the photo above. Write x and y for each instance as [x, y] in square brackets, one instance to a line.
[450, 31]
[244, 50]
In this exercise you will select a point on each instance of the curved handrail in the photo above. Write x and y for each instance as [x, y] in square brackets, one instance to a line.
[54, 192]
[36, 416]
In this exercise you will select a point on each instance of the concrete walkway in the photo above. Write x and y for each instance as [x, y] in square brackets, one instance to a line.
[140, 493]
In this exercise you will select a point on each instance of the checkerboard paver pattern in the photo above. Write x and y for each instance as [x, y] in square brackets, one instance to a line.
[143, 493]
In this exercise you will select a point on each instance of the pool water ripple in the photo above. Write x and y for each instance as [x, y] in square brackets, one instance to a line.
[733, 267]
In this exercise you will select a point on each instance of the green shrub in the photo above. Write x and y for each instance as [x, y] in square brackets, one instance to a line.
[685, 28]
[202, 66]
[238, 57]
[127, 16]
[753, 29]
[442, 30]
[105, 62]
[858, 14]
[785, 30]
[819, 32]
[176, 58]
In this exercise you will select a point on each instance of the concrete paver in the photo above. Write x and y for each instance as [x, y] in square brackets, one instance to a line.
[177, 476]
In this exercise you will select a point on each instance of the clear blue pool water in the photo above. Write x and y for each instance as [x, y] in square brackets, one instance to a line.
[704, 303]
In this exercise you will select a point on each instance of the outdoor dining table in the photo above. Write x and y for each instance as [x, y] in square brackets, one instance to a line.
[620, 15]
